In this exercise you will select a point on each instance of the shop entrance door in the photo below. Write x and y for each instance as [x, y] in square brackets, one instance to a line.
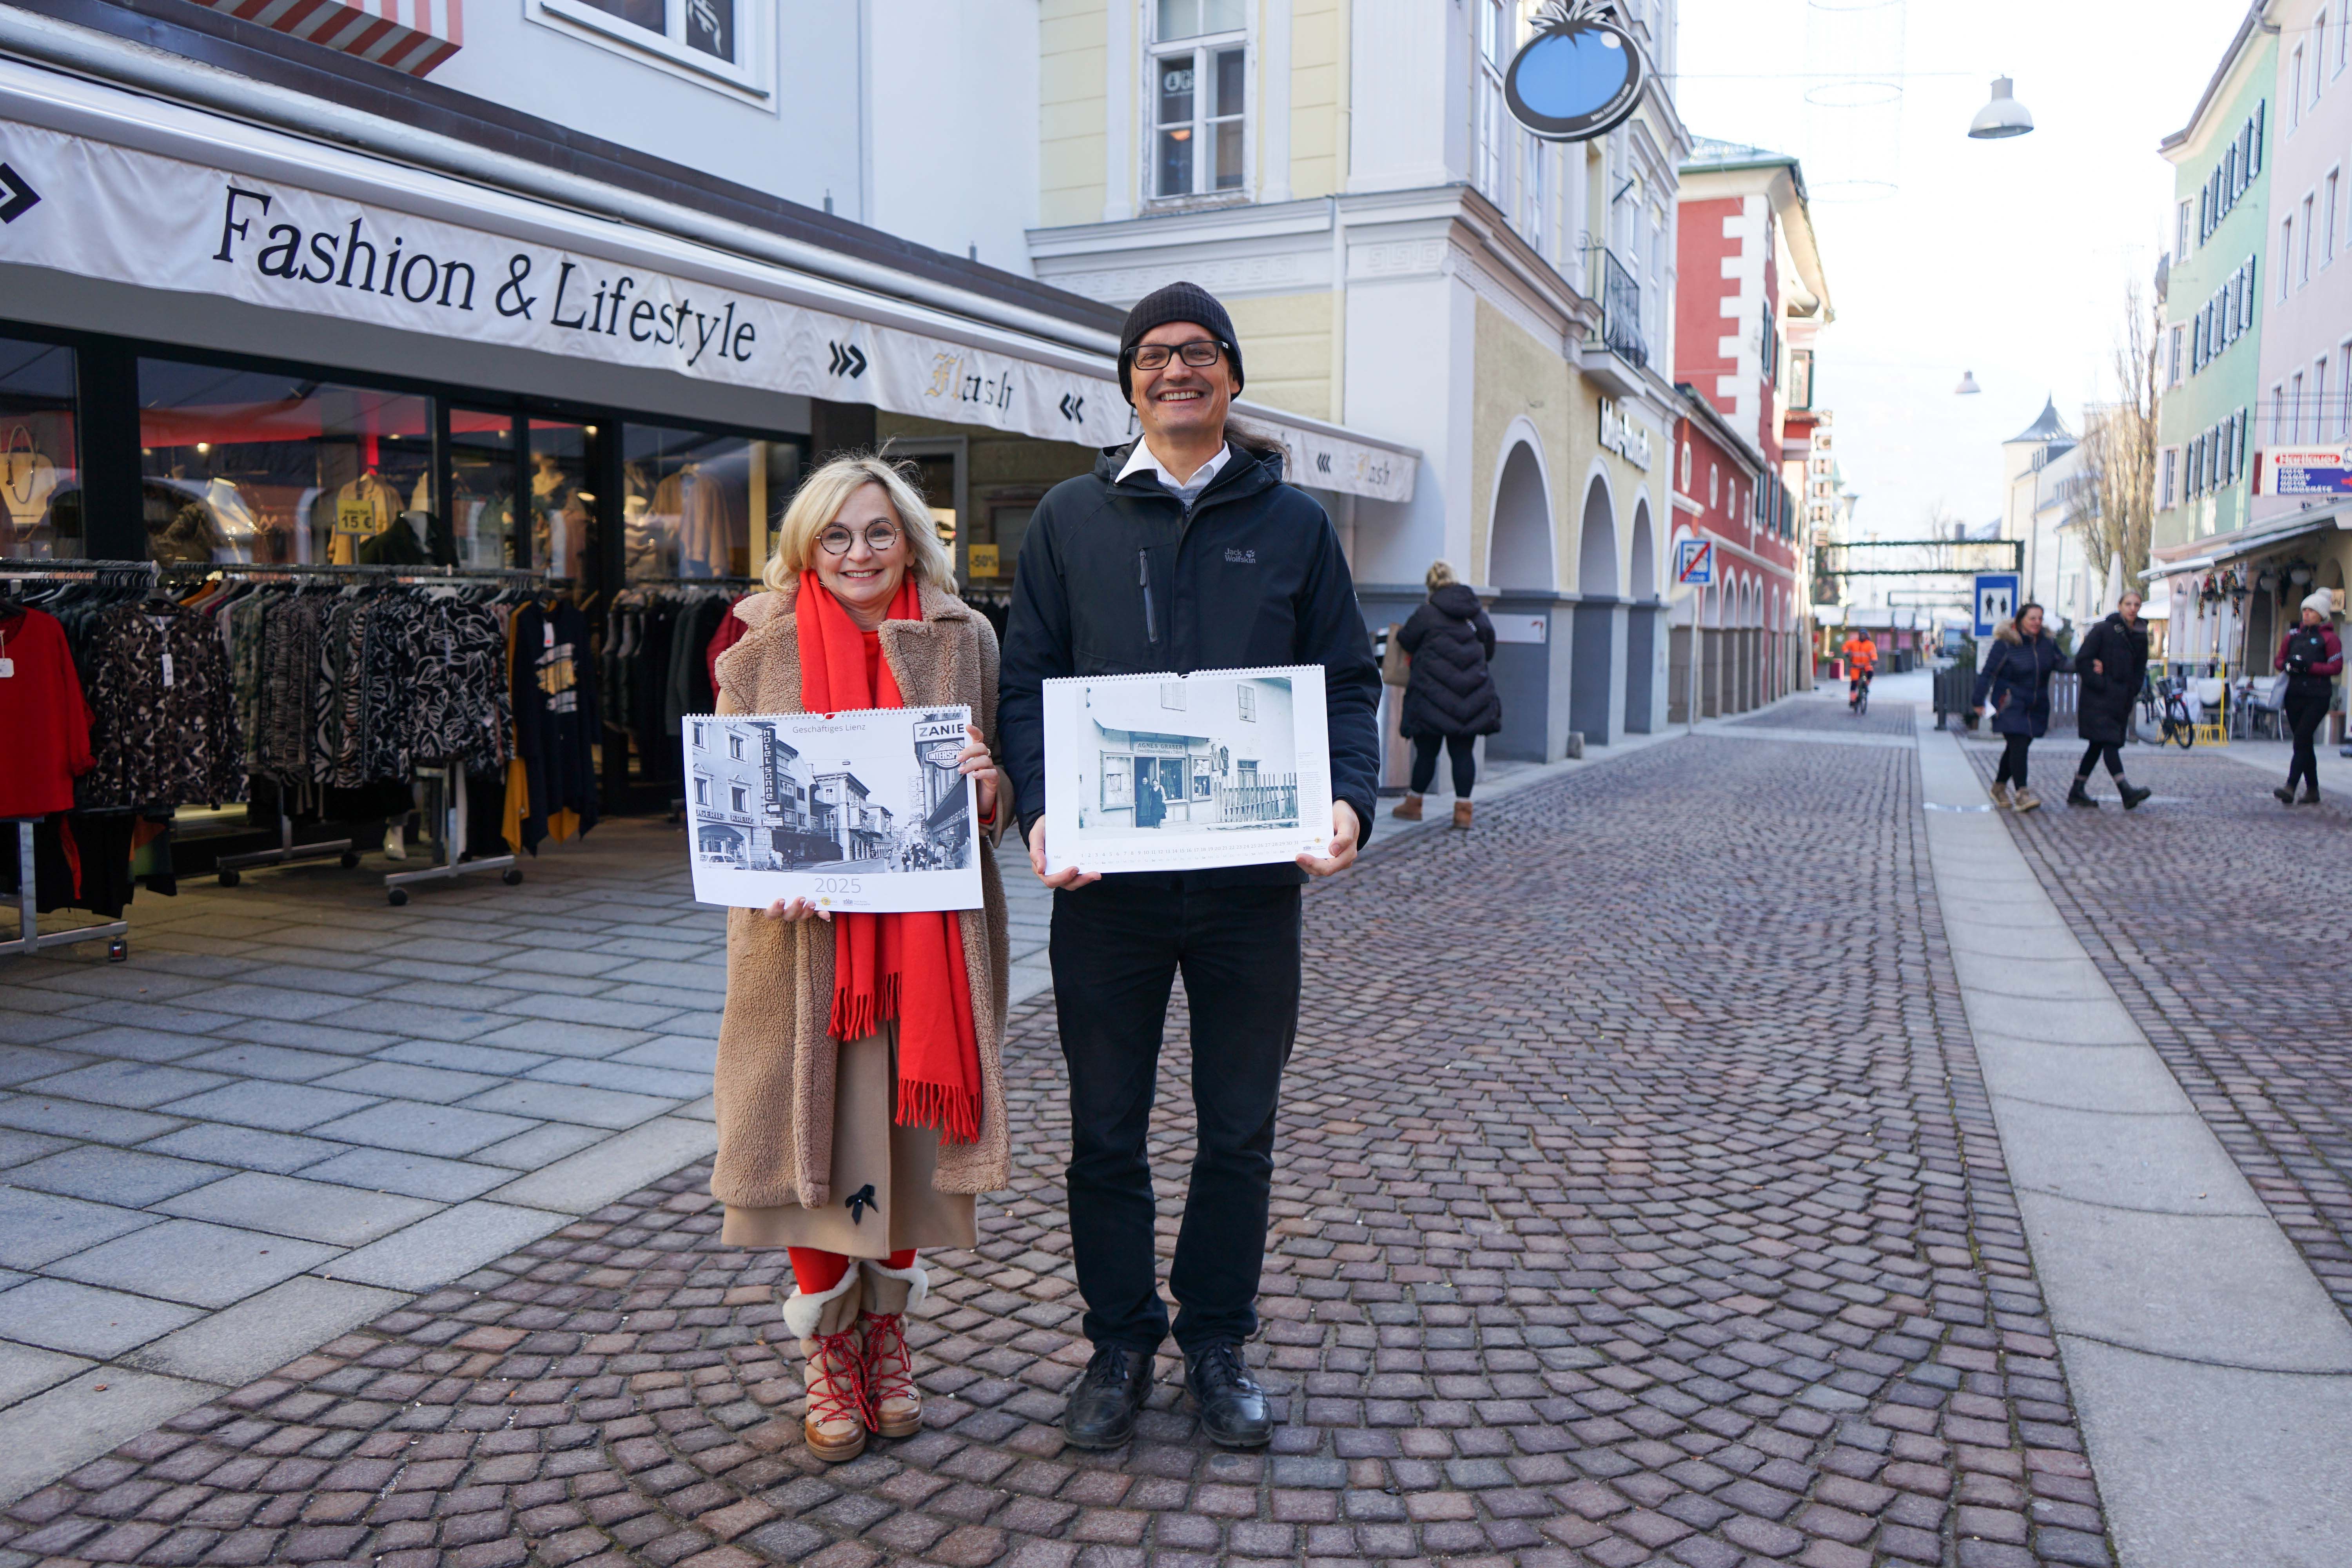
[1168, 773]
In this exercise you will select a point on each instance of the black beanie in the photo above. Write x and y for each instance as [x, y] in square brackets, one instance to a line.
[1176, 302]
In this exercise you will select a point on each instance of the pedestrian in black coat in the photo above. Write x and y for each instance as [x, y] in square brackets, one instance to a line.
[2016, 679]
[1449, 694]
[2113, 662]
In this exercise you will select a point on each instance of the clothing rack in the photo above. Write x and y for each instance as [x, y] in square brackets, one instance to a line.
[691, 583]
[79, 571]
[450, 836]
[116, 934]
[230, 868]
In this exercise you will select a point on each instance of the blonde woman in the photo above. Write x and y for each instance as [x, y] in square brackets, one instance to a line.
[860, 1090]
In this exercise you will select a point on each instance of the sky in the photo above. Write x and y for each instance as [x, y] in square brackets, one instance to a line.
[2008, 259]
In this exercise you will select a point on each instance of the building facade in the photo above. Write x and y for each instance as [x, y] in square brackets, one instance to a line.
[1400, 255]
[1751, 301]
[2218, 286]
[2237, 563]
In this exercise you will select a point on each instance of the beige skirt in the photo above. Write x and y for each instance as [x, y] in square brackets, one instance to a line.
[886, 1168]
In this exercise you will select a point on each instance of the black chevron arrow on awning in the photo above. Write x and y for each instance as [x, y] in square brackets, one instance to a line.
[21, 197]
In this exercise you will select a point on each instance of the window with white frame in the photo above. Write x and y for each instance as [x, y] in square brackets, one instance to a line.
[1686, 467]
[2170, 492]
[2286, 253]
[1497, 30]
[2344, 389]
[2303, 262]
[2173, 357]
[715, 38]
[2278, 412]
[2318, 399]
[2295, 409]
[2343, 42]
[2327, 253]
[2180, 236]
[1199, 97]
[2318, 52]
[2295, 99]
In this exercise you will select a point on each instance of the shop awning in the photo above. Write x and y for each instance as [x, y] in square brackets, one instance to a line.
[2238, 547]
[163, 195]
[411, 36]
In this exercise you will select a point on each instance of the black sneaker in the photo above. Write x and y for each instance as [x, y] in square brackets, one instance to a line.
[1234, 1411]
[1105, 1401]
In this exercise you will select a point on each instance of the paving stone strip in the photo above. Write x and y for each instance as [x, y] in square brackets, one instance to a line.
[1638, 1202]
[2214, 1374]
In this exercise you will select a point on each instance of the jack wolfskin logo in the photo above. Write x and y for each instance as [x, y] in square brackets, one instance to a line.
[1242, 557]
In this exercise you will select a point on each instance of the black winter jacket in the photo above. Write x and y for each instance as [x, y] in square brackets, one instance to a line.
[1449, 691]
[2103, 714]
[1122, 578]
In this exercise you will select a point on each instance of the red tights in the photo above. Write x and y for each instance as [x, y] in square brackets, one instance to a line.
[816, 1272]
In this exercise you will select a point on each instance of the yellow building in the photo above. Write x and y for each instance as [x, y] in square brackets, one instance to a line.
[1401, 259]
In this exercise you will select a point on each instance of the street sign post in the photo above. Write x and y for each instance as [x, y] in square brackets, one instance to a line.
[1694, 570]
[1996, 600]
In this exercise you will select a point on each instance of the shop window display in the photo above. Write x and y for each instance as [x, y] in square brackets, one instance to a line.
[40, 481]
[699, 504]
[266, 468]
[482, 474]
[562, 490]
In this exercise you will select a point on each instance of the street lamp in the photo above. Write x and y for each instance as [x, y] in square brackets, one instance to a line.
[2004, 116]
[1968, 387]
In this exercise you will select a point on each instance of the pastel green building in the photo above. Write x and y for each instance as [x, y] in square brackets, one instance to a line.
[2214, 297]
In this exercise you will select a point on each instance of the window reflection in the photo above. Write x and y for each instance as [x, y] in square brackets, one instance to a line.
[697, 503]
[563, 497]
[247, 466]
[40, 479]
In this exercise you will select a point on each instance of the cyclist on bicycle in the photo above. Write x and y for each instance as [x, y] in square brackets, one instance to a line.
[1861, 656]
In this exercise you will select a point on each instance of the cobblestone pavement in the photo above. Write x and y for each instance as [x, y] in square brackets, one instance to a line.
[1824, 710]
[2216, 913]
[1638, 1203]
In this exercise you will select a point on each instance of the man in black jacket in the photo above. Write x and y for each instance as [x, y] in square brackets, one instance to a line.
[1185, 551]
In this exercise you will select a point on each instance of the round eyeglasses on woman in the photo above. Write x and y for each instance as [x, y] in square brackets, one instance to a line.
[838, 539]
[1200, 353]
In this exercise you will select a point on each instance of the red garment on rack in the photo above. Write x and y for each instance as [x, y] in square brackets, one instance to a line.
[731, 632]
[43, 716]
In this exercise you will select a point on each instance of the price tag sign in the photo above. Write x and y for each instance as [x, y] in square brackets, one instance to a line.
[982, 561]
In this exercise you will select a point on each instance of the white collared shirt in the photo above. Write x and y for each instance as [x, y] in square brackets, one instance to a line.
[1143, 458]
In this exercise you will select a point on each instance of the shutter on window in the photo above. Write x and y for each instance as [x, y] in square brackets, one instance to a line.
[2255, 127]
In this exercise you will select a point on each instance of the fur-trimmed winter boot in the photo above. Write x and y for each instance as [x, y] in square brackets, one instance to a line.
[1462, 813]
[826, 1325]
[1408, 809]
[2000, 795]
[894, 1404]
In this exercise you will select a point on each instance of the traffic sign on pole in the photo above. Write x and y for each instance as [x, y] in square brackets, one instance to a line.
[1695, 562]
[1996, 600]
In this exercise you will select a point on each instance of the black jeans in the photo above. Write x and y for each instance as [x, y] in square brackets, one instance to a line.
[2012, 761]
[2304, 713]
[1117, 946]
[1424, 763]
[2091, 754]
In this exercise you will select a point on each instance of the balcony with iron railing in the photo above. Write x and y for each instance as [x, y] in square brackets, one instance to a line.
[1621, 312]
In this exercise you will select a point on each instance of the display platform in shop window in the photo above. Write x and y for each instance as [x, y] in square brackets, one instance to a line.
[1172, 773]
[862, 811]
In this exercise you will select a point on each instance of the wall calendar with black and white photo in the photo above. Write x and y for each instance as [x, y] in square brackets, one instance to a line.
[863, 810]
[1171, 773]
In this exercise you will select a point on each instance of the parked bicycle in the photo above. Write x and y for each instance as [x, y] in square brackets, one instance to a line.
[2167, 701]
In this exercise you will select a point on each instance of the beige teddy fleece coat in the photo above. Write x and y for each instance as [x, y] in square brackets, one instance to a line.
[775, 1076]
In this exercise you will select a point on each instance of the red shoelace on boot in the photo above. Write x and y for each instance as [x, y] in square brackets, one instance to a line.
[889, 1365]
[838, 1391]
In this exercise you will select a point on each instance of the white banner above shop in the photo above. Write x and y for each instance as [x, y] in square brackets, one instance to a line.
[97, 209]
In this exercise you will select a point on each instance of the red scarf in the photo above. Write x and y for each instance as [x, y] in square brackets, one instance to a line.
[909, 967]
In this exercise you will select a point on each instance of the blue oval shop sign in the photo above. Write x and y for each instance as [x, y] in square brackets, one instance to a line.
[1579, 76]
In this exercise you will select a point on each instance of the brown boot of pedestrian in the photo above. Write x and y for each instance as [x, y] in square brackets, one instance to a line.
[894, 1403]
[1408, 809]
[1462, 815]
[2025, 801]
[2000, 795]
[826, 1325]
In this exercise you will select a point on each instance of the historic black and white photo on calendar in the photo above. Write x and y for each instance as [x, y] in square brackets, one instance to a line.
[1163, 773]
[860, 811]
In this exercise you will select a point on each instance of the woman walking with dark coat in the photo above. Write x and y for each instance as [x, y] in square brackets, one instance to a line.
[1449, 696]
[2312, 656]
[2016, 680]
[2113, 663]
